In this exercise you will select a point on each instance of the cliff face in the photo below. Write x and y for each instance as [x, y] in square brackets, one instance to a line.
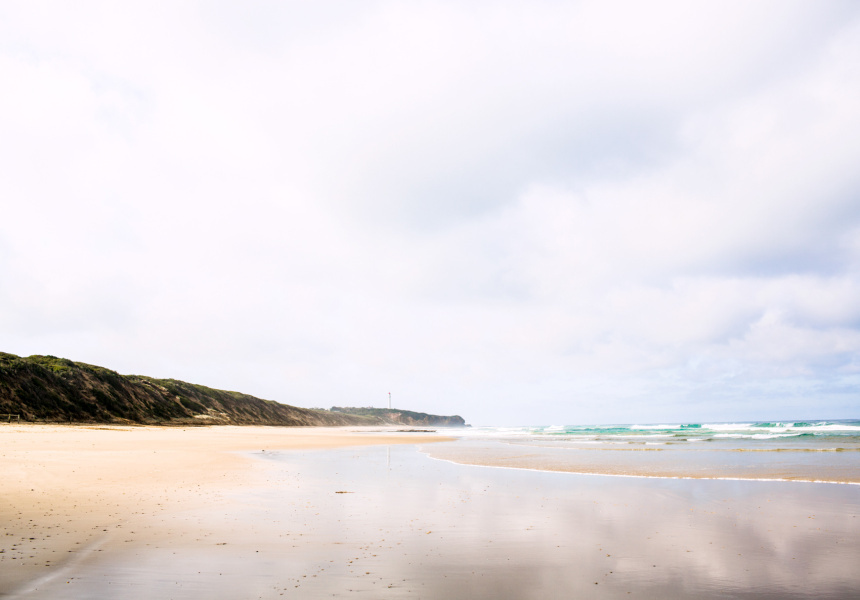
[51, 389]
[403, 417]
[46, 388]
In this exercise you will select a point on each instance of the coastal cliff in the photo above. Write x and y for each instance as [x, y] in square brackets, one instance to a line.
[402, 417]
[50, 389]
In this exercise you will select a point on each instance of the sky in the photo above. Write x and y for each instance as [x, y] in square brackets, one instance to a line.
[519, 212]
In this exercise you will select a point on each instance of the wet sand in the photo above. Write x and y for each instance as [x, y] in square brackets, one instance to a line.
[835, 461]
[391, 522]
[69, 490]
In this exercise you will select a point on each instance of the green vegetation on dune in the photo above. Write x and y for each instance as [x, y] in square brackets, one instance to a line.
[405, 417]
[50, 389]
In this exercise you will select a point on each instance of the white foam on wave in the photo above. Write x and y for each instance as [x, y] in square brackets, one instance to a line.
[755, 436]
[746, 430]
[727, 426]
[831, 427]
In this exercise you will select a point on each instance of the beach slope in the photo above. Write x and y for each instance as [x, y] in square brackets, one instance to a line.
[68, 488]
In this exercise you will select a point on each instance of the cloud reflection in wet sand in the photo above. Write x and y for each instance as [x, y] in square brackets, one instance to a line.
[411, 527]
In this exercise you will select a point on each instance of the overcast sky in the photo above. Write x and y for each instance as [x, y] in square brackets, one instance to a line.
[519, 212]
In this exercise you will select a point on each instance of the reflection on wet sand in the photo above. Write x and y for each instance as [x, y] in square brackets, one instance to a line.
[725, 459]
[406, 526]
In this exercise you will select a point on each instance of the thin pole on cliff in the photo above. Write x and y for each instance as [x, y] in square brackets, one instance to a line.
[389, 400]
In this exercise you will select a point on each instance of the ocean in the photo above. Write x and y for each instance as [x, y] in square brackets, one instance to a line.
[812, 450]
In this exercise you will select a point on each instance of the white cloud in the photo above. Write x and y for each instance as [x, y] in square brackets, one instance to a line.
[612, 208]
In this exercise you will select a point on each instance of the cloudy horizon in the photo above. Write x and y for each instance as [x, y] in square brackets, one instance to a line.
[522, 213]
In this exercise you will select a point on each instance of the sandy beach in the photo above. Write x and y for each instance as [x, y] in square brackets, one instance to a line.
[66, 488]
[271, 513]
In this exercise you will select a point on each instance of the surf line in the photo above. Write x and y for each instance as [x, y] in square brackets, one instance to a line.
[760, 479]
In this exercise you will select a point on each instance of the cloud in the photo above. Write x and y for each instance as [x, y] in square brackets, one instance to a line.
[609, 208]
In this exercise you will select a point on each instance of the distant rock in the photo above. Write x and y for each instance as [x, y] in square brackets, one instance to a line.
[402, 417]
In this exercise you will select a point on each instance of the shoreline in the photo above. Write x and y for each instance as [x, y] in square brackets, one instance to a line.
[724, 461]
[68, 488]
[637, 476]
[223, 513]
[386, 522]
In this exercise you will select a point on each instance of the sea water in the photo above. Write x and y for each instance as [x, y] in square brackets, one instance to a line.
[816, 450]
[813, 433]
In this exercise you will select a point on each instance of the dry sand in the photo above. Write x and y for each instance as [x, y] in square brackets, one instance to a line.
[66, 488]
